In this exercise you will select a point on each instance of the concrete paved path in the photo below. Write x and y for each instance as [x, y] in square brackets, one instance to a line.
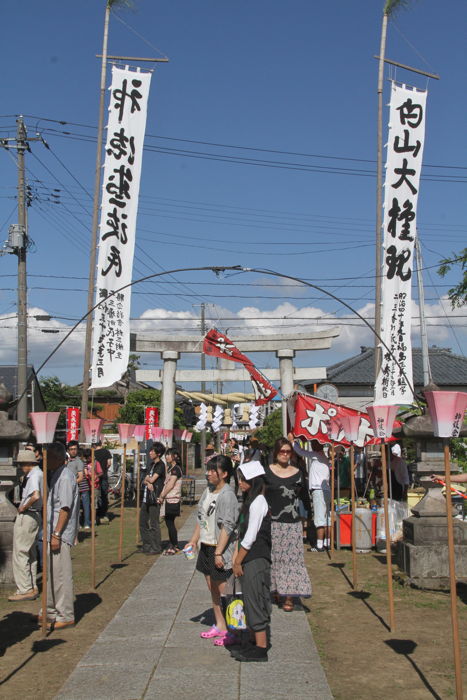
[152, 648]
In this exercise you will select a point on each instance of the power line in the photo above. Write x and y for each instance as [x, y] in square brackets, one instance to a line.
[239, 146]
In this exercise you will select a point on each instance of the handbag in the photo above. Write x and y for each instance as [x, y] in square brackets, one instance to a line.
[235, 611]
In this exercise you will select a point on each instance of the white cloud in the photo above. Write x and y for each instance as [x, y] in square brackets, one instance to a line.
[40, 344]
[284, 318]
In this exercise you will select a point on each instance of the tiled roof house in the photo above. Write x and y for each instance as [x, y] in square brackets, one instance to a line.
[354, 378]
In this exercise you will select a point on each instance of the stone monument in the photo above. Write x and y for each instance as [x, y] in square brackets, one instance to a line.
[423, 552]
[11, 432]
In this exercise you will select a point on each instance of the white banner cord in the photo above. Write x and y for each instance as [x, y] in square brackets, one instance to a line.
[403, 167]
[120, 190]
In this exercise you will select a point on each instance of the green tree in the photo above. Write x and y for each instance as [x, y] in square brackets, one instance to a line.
[58, 396]
[133, 410]
[272, 428]
[459, 452]
[458, 293]
[136, 401]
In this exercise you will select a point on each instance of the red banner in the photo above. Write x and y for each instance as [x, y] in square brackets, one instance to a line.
[218, 345]
[313, 416]
[151, 420]
[73, 414]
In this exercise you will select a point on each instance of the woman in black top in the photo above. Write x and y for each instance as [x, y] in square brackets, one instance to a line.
[286, 485]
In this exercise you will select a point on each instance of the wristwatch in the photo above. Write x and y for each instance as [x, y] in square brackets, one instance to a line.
[57, 534]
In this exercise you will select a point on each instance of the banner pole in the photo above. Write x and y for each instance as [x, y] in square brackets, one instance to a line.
[452, 574]
[93, 521]
[137, 491]
[122, 504]
[392, 623]
[354, 517]
[45, 542]
[332, 497]
[338, 518]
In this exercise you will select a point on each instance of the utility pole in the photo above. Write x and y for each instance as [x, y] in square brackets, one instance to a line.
[203, 383]
[22, 407]
[18, 243]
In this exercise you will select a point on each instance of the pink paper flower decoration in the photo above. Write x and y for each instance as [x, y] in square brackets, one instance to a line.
[351, 425]
[382, 419]
[139, 432]
[44, 424]
[125, 431]
[447, 410]
[156, 432]
[335, 429]
[92, 429]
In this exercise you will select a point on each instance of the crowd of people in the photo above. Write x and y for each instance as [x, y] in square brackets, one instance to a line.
[72, 481]
[258, 542]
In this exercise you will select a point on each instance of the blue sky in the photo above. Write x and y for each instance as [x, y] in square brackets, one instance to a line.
[261, 147]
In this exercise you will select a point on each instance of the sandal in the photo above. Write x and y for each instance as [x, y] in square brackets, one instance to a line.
[212, 632]
[288, 605]
[228, 640]
[169, 551]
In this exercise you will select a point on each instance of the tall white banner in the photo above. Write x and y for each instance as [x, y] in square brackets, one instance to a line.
[122, 170]
[403, 166]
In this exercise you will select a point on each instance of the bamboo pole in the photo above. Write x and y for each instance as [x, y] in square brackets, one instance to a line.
[338, 518]
[333, 462]
[353, 528]
[392, 622]
[137, 492]
[122, 505]
[93, 521]
[45, 543]
[452, 575]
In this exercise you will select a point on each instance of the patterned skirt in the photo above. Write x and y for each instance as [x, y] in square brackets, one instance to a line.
[289, 576]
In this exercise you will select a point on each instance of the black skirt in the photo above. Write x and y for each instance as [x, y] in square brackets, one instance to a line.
[172, 509]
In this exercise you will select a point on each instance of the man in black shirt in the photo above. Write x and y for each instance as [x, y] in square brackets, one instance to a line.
[104, 457]
[152, 486]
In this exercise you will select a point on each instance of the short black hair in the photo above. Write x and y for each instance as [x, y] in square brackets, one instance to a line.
[158, 448]
[73, 443]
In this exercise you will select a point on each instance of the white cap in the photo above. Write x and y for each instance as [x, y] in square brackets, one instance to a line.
[396, 450]
[252, 469]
